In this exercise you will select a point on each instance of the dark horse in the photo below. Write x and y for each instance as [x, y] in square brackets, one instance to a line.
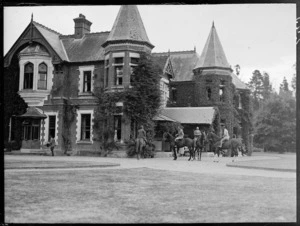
[179, 144]
[199, 146]
[233, 144]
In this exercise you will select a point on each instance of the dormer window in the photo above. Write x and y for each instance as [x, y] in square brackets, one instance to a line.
[28, 76]
[42, 79]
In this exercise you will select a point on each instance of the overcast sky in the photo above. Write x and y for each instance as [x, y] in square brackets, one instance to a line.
[255, 36]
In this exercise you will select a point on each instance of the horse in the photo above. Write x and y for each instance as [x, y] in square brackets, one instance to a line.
[179, 144]
[233, 144]
[140, 144]
[199, 146]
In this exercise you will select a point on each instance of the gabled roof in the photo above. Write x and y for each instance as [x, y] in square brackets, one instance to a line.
[213, 54]
[163, 62]
[53, 39]
[190, 115]
[88, 48]
[183, 63]
[128, 26]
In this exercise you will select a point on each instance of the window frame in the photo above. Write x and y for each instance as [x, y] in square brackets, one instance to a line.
[82, 70]
[45, 73]
[87, 81]
[28, 76]
[79, 126]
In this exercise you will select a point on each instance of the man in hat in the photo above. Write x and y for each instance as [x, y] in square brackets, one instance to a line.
[224, 134]
[197, 134]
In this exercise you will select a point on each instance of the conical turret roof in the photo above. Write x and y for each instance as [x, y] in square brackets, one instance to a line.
[128, 26]
[213, 55]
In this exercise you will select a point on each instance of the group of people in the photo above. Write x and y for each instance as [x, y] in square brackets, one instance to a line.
[141, 135]
[198, 133]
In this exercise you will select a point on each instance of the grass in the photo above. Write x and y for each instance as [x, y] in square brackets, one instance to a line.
[15, 164]
[145, 195]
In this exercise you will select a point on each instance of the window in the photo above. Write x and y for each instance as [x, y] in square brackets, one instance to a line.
[208, 93]
[118, 75]
[85, 127]
[221, 93]
[174, 94]
[31, 129]
[42, 79]
[106, 76]
[52, 125]
[208, 81]
[134, 60]
[118, 60]
[87, 81]
[117, 125]
[28, 76]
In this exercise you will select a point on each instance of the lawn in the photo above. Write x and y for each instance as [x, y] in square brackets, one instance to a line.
[16, 164]
[143, 195]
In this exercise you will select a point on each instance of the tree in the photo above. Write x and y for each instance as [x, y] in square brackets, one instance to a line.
[256, 86]
[143, 99]
[284, 90]
[293, 83]
[267, 87]
[13, 103]
[284, 86]
[275, 124]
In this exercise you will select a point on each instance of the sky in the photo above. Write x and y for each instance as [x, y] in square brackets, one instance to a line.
[255, 36]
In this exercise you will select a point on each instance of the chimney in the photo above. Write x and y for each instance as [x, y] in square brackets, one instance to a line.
[82, 26]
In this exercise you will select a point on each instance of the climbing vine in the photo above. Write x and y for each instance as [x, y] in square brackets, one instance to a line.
[68, 117]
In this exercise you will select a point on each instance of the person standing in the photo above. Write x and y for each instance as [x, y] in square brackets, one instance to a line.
[140, 141]
[52, 145]
[224, 133]
[197, 134]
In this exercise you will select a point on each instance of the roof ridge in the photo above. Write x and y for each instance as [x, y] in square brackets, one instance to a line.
[183, 51]
[99, 32]
[49, 29]
[92, 33]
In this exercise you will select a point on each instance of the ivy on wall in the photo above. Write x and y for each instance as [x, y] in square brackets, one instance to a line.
[141, 102]
[68, 118]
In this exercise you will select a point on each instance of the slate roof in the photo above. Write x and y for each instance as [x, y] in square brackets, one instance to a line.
[34, 113]
[128, 26]
[88, 48]
[183, 63]
[160, 60]
[190, 115]
[237, 82]
[53, 39]
[213, 54]
[164, 118]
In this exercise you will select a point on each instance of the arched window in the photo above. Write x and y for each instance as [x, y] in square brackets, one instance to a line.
[42, 79]
[28, 76]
